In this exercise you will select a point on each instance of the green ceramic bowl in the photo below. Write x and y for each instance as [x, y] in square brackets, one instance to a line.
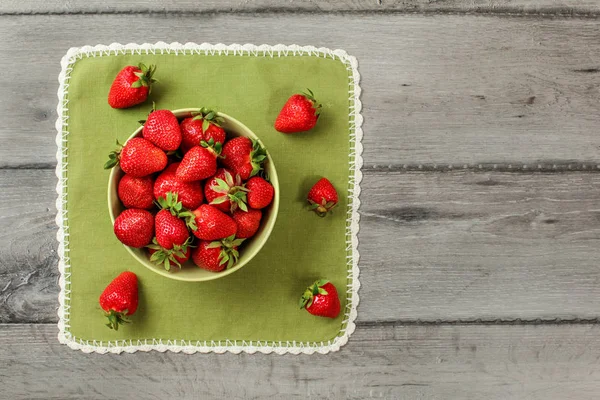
[251, 246]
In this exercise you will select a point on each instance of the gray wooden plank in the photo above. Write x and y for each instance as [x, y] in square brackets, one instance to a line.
[434, 246]
[548, 362]
[471, 245]
[28, 261]
[437, 90]
[584, 7]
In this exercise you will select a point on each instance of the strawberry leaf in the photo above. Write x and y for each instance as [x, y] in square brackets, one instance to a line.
[219, 200]
[222, 185]
[113, 156]
[179, 254]
[229, 179]
[257, 157]
[205, 125]
[311, 97]
[156, 257]
[238, 242]
[224, 257]
[173, 260]
[191, 223]
[116, 318]
[162, 202]
[111, 163]
[302, 302]
[218, 148]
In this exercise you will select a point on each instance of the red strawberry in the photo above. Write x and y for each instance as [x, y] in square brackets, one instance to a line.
[247, 222]
[260, 192]
[224, 192]
[213, 224]
[189, 193]
[204, 126]
[138, 157]
[200, 162]
[134, 227]
[321, 298]
[322, 197]
[218, 255]
[162, 129]
[191, 133]
[136, 192]
[170, 227]
[131, 86]
[300, 113]
[120, 299]
[243, 156]
[215, 133]
[171, 244]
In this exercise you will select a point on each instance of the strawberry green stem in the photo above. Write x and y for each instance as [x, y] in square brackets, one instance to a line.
[208, 117]
[172, 203]
[114, 156]
[145, 77]
[116, 318]
[311, 96]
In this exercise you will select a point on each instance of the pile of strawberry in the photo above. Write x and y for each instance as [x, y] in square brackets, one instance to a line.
[189, 191]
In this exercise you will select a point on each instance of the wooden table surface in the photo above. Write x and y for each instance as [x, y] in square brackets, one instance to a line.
[480, 229]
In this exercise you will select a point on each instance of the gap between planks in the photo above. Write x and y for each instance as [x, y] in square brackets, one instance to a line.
[479, 322]
[439, 323]
[503, 11]
[558, 167]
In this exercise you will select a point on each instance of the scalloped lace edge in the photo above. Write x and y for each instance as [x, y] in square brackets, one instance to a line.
[189, 347]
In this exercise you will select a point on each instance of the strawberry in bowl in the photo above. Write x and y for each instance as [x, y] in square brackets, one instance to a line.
[212, 216]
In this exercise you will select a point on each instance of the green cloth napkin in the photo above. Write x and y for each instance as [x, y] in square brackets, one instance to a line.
[255, 308]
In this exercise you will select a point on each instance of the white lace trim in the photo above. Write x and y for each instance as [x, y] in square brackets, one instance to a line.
[235, 346]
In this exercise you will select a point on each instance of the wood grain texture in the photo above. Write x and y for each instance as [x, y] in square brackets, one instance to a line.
[581, 7]
[28, 259]
[436, 91]
[434, 246]
[549, 362]
[468, 245]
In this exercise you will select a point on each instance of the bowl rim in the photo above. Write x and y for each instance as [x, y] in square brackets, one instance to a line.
[268, 228]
